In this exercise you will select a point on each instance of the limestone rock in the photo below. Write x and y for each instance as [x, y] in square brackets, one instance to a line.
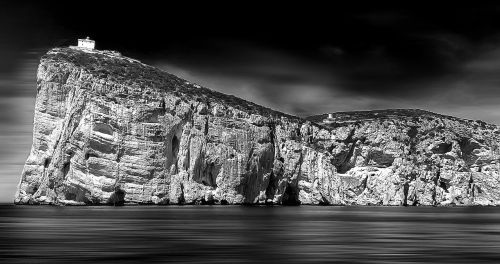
[414, 157]
[109, 129]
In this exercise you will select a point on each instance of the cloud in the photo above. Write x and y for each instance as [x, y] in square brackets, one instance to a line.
[332, 51]
[298, 84]
[465, 81]
[268, 77]
[16, 126]
[21, 79]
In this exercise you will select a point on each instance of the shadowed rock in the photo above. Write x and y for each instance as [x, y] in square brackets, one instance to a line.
[117, 198]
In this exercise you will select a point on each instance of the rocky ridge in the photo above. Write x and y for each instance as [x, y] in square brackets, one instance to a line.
[110, 129]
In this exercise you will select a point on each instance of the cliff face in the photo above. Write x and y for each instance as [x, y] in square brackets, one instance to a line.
[109, 129]
[414, 157]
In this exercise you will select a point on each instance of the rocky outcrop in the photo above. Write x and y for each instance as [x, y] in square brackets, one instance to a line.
[111, 130]
[414, 157]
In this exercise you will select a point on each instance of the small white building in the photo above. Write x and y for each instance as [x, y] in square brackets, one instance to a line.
[86, 43]
[330, 116]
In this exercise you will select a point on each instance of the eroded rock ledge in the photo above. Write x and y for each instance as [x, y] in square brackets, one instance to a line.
[109, 129]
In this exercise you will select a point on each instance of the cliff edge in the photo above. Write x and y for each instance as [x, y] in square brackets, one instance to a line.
[111, 130]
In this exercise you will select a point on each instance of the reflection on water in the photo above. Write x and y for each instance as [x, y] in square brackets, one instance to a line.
[234, 234]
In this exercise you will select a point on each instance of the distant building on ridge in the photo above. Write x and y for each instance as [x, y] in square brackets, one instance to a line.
[86, 43]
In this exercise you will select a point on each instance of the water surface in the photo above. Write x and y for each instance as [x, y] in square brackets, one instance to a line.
[235, 234]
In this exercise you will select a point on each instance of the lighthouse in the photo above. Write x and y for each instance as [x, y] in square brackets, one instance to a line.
[86, 43]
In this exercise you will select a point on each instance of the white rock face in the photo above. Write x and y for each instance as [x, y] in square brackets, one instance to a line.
[109, 129]
[414, 157]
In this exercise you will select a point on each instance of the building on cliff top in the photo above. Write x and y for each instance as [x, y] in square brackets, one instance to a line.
[86, 43]
[329, 119]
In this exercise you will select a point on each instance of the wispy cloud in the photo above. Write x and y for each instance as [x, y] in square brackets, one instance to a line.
[466, 82]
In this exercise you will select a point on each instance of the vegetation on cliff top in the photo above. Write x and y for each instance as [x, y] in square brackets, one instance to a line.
[343, 118]
[120, 69]
[114, 67]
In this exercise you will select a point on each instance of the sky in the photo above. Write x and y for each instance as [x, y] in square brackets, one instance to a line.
[303, 59]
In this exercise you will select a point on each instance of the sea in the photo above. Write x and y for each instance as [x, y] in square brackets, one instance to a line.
[247, 234]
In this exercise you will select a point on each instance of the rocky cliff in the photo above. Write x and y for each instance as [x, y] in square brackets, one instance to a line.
[110, 129]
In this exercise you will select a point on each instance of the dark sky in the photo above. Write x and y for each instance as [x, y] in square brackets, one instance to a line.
[303, 59]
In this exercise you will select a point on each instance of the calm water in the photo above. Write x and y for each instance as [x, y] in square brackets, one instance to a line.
[234, 234]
